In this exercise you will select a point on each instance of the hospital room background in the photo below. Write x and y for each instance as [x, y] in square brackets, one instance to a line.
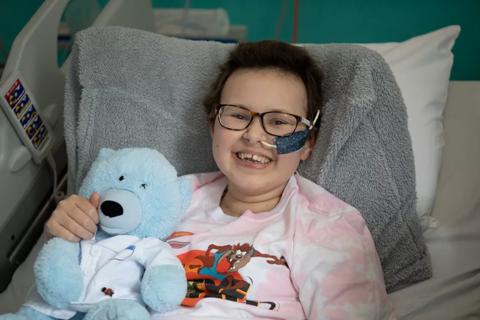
[27, 180]
[323, 21]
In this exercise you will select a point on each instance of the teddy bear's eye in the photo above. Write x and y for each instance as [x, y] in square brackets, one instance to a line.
[143, 186]
[121, 178]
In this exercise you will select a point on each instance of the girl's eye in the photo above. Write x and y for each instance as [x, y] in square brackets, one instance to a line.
[143, 186]
[239, 116]
[280, 122]
[121, 178]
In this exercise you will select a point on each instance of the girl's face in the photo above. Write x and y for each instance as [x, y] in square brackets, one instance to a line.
[251, 168]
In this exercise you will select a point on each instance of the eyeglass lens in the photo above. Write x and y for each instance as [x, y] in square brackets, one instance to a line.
[274, 123]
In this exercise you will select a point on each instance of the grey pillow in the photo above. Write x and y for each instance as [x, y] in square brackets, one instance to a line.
[134, 88]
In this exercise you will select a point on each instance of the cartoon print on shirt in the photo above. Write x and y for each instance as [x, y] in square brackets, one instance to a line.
[239, 255]
[214, 273]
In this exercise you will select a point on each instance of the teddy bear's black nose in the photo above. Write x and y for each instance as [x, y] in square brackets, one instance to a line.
[111, 209]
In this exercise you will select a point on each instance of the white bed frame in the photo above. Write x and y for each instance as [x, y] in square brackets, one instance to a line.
[26, 195]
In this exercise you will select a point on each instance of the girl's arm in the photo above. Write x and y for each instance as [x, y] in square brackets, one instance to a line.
[336, 269]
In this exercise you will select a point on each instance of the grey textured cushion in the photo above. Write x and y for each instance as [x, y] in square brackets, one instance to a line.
[134, 88]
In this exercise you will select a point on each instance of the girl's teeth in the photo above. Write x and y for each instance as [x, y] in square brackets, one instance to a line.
[253, 157]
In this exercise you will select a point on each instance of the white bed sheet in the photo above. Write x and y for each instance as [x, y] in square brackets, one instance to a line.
[454, 290]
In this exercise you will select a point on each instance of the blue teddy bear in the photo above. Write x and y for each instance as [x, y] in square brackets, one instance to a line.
[126, 266]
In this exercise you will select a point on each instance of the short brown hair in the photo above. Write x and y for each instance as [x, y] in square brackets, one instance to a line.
[269, 54]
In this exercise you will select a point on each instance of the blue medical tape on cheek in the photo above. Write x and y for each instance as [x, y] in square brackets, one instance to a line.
[292, 143]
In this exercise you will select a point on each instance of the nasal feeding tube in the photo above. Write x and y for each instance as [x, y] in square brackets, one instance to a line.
[293, 142]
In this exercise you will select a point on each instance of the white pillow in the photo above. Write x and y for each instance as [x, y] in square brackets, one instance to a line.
[421, 66]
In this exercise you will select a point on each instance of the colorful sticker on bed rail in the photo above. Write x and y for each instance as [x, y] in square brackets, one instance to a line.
[14, 94]
[33, 127]
[21, 105]
[28, 115]
[40, 137]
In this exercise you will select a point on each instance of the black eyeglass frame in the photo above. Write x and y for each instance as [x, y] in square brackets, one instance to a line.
[253, 114]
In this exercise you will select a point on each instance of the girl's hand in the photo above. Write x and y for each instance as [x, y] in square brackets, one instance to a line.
[75, 218]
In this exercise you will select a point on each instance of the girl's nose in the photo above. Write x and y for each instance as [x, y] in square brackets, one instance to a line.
[255, 132]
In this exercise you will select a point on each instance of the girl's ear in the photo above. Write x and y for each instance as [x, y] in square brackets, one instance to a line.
[307, 150]
[305, 153]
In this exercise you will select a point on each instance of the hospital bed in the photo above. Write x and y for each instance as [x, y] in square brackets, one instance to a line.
[32, 153]
[453, 241]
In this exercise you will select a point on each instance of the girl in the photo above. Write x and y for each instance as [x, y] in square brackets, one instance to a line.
[258, 240]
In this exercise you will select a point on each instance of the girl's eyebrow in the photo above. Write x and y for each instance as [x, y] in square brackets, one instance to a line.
[270, 108]
[282, 110]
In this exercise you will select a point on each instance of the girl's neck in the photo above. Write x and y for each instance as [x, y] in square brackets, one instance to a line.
[234, 203]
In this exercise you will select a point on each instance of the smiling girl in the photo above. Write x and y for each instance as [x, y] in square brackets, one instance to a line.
[259, 240]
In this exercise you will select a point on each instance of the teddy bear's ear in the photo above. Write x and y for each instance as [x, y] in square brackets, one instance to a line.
[104, 153]
[186, 190]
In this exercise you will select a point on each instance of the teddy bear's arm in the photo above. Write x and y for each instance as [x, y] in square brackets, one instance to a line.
[164, 284]
[164, 287]
[58, 276]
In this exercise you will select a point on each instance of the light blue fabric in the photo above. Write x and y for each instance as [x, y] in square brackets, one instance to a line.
[26, 313]
[166, 278]
[58, 276]
[120, 211]
[11, 316]
[32, 314]
[117, 309]
[147, 175]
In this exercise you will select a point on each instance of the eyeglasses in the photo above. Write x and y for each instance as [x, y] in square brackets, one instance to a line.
[279, 124]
